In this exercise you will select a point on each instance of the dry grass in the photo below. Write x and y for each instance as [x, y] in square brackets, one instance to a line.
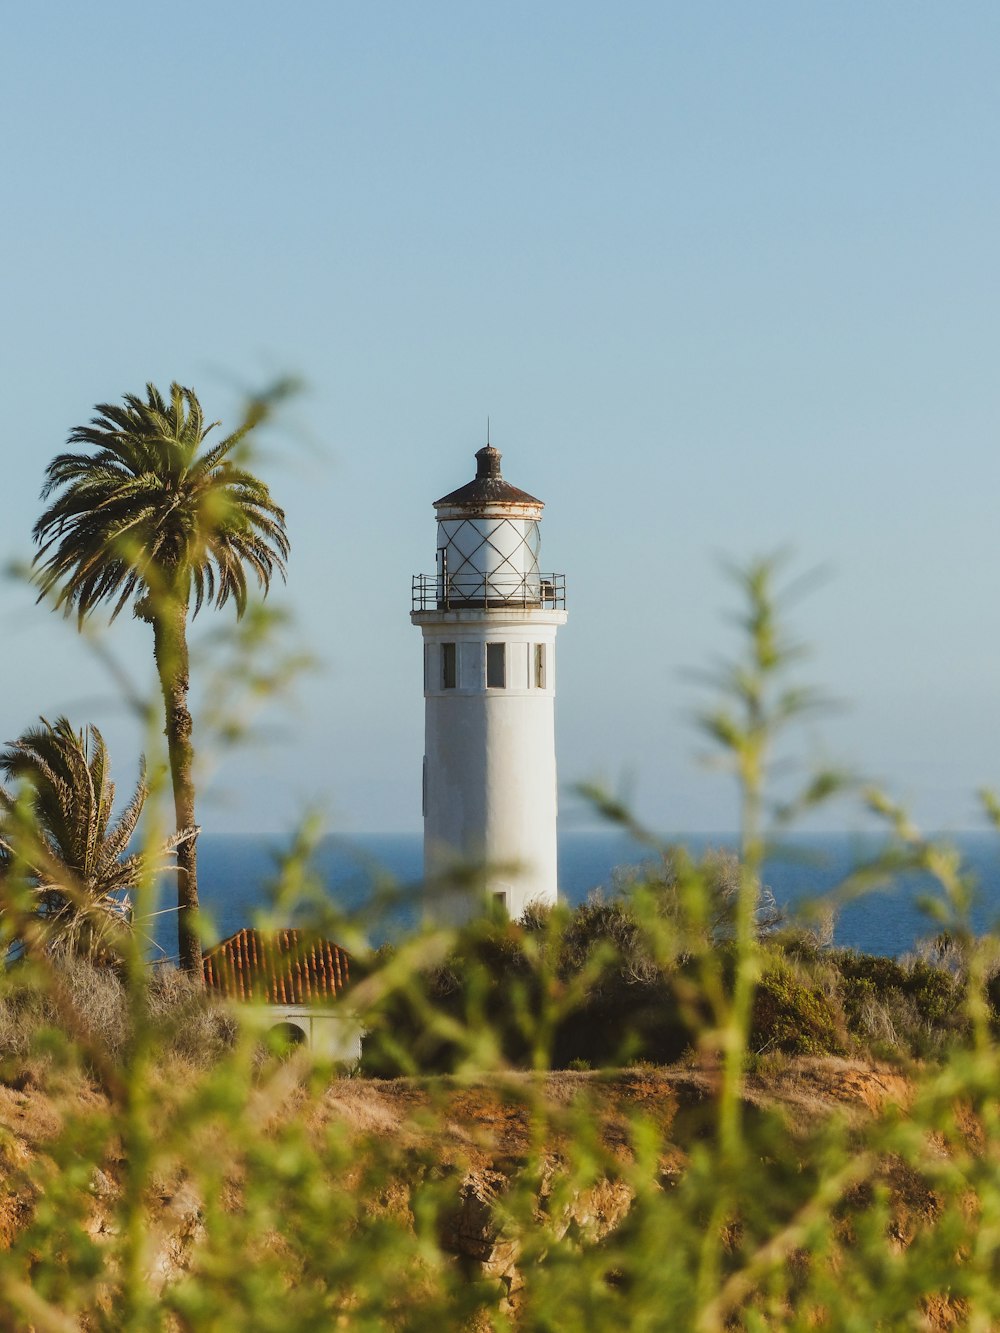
[193, 1025]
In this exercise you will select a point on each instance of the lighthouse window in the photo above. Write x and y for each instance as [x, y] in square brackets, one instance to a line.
[539, 666]
[496, 666]
[448, 666]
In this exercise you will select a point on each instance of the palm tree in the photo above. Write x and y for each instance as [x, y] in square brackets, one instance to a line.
[153, 518]
[58, 833]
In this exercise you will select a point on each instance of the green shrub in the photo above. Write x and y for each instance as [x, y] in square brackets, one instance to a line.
[791, 1016]
[912, 1008]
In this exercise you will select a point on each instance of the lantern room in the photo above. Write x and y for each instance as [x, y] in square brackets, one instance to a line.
[488, 546]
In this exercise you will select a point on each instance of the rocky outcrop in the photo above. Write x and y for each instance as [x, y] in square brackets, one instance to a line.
[480, 1236]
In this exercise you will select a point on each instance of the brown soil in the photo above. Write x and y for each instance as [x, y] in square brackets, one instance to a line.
[481, 1133]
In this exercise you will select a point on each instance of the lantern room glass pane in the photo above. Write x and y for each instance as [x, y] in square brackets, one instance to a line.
[486, 560]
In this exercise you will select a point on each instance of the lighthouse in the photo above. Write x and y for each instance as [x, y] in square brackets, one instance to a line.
[489, 618]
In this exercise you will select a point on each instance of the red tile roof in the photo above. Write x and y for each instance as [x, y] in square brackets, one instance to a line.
[286, 967]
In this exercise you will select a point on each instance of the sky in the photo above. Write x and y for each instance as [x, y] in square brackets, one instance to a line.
[724, 277]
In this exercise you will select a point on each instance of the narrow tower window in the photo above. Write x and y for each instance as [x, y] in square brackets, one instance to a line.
[448, 666]
[539, 666]
[496, 666]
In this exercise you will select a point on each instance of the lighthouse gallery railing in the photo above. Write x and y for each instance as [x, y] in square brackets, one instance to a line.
[434, 592]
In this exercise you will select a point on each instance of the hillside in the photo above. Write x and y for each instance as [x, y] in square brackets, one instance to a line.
[480, 1144]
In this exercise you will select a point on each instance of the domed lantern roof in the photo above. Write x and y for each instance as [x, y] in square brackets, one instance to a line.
[487, 487]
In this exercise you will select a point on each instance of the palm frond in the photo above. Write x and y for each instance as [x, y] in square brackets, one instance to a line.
[151, 510]
[57, 825]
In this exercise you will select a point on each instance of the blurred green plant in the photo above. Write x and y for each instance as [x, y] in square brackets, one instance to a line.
[774, 1176]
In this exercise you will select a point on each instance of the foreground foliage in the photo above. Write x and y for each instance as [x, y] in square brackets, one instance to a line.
[241, 1190]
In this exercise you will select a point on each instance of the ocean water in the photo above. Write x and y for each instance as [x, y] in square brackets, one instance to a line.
[237, 872]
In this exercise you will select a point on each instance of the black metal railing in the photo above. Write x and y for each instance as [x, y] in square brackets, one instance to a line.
[433, 592]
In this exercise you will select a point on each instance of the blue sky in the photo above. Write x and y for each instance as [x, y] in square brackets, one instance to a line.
[725, 278]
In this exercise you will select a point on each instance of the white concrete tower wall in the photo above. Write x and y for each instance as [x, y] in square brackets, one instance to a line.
[490, 789]
[490, 767]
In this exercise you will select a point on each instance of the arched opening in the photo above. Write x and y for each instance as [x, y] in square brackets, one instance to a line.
[286, 1036]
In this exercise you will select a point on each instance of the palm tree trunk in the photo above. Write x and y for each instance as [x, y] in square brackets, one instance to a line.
[171, 653]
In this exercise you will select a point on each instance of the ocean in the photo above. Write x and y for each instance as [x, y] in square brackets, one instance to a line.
[237, 873]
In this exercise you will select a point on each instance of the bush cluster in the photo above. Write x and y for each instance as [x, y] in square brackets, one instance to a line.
[630, 1005]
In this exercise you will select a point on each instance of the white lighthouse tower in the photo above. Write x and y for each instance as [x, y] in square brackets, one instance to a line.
[489, 621]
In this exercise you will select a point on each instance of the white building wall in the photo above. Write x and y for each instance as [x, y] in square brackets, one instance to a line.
[490, 787]
[330, 1033]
